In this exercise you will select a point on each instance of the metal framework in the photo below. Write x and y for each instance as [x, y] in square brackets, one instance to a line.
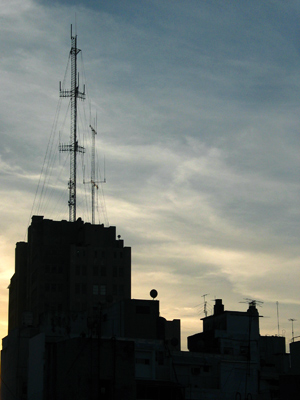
[73, 148]
[93, 174]
[93, 181]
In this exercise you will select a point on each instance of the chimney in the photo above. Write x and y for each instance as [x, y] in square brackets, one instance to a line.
[218, 307]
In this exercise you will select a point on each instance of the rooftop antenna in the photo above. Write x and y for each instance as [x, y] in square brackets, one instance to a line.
[93, 179]
[252, 302]
[73, 148]
[292, 320]
[277, 316]
[205, 303]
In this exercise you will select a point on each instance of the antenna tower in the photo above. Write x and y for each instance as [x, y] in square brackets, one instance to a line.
[93, 179]
[73, 148]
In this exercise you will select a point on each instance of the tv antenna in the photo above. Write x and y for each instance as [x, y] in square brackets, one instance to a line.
[252, 302]
[205, 303]
[292, 320]
[73, 148]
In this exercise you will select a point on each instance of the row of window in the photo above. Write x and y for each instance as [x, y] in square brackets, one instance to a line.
[100, 271]
[81, 289]
[84, 270]
[98, 254]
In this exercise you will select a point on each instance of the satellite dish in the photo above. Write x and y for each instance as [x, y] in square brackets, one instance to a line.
[153, 293]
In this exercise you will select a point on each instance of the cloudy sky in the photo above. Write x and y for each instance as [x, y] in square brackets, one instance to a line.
[197, 107]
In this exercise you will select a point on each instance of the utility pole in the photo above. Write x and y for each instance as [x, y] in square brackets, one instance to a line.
[73, 148]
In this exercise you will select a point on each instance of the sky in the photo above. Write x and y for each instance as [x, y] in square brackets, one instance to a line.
[197, 115]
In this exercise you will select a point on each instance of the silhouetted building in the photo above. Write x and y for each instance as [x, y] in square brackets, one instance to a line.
[75, 333]
[66, 269]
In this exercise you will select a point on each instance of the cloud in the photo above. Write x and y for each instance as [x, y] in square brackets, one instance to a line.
[197, 109]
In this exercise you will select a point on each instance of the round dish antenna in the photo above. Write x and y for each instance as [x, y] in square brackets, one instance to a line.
[153, 293]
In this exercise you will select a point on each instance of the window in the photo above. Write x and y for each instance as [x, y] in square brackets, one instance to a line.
[115, 272]
[121, 272]
[103, 270]
[102, 290]
[95, 290]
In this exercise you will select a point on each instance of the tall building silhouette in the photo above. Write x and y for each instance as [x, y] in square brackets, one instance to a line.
[67, 268]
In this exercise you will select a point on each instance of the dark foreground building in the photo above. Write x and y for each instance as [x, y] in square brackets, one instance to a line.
[75, 333]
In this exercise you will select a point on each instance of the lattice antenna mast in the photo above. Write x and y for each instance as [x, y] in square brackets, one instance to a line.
[93, 179]
[93, 183]
[73, 148]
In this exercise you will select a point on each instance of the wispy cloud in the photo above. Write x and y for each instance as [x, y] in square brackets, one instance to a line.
[197, 109]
